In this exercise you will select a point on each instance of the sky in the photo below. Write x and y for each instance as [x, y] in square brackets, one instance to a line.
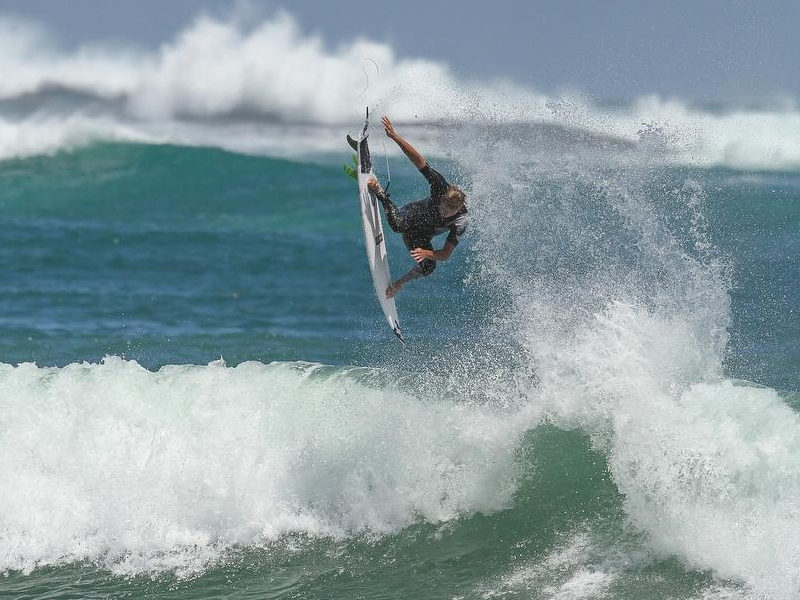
[740, 51]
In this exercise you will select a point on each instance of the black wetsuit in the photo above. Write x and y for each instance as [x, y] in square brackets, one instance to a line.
[420, 221]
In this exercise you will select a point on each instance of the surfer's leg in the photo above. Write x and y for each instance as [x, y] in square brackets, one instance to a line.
[393, 214]
[427, 266]
[424, 268]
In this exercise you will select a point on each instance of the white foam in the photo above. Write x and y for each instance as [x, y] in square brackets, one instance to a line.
[707, 466]
[721, 592]
[625, 321]
[272, 70]
[145, 471]
[48, 134]
[580, 568]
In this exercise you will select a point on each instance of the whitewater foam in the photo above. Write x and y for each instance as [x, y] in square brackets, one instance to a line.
[583, 566]
[144, 471]
[622, 303]
[274, 72]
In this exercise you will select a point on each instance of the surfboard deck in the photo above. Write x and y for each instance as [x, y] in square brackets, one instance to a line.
[372, 225]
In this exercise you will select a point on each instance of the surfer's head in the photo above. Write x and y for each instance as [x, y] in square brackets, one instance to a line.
[451, 201]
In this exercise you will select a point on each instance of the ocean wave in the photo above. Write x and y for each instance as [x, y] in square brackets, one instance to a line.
[143, 471]
[272, 72]
[622, 316]
[621, 301]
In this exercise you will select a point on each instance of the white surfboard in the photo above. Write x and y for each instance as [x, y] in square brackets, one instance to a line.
[373, 234]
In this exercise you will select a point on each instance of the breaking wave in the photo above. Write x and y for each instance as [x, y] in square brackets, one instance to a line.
[251, 88]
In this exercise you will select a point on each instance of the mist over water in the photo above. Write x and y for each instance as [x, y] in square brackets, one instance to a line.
[586, 328]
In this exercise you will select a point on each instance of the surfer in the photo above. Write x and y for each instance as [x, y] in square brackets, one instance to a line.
[418, 222]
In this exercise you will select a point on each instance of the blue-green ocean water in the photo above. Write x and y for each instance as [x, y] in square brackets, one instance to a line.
[199, 397]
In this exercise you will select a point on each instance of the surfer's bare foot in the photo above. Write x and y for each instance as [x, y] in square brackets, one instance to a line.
[392, 290]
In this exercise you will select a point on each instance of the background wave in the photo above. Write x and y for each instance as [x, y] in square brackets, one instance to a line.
[235, 85]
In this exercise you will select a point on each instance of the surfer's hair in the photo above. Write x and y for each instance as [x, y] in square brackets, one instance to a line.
[454, 198]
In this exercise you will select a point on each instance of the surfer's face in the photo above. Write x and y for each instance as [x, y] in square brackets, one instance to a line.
[445, 211]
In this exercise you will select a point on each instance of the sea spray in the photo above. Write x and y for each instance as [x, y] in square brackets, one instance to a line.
[623, 304]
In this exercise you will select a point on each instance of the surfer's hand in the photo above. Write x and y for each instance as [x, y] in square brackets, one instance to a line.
[392, 290]
[373, 185]
[420, 254]
[390, 132]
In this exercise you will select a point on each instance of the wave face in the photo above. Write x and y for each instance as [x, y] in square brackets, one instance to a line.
[235, 85]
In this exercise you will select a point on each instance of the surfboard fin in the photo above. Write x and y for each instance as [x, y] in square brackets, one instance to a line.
[351, 170]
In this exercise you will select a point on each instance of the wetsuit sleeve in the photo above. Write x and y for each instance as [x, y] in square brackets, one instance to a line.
[438, 183]
[457, 229]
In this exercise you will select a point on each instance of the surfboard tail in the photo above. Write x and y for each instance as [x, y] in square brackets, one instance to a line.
[363, 147]
[363, 153]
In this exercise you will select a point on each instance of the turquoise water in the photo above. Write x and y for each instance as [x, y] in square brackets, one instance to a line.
[199, 396]
[164, 254]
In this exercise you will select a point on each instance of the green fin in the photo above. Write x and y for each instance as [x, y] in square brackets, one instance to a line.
[351, 171]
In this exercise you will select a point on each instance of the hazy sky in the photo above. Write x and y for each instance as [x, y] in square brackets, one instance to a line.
[703, 50]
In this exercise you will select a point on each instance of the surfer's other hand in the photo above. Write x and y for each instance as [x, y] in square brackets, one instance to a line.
[420, 254]
[373, 185]
[387, 124]
[392, 290]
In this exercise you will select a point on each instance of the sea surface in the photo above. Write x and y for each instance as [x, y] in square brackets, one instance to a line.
[200, 398]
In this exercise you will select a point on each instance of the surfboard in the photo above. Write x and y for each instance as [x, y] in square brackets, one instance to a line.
[372, 225]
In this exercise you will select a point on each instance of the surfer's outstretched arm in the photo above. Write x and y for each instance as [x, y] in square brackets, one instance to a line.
[412, 153]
